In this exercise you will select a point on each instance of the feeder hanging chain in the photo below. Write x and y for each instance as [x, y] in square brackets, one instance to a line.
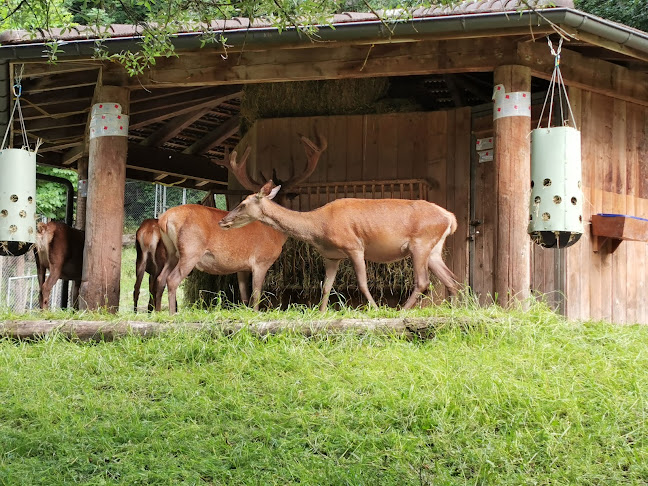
[558, 82]
[17, 92]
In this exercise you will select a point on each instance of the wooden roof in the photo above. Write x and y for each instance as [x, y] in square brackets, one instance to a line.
[184, 112]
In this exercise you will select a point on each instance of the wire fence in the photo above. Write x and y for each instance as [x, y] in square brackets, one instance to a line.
[18, 280]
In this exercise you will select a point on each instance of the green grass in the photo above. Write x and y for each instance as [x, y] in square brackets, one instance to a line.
[514, 398]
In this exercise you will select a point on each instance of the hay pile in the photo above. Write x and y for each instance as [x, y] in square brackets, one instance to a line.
[319, 98]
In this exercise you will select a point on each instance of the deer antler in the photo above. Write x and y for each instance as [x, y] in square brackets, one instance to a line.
[240, 171]
[313, 152]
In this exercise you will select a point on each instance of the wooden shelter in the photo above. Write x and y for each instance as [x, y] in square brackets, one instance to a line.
[185, 116]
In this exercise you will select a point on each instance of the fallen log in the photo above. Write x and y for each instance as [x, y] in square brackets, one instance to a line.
[108, 330]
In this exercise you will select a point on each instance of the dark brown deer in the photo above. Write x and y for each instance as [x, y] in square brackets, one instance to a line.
[194, 239]
[151, 257]
[59, 249]
[378, 230]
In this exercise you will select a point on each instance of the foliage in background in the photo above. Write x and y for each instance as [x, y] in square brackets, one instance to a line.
[50, 196]
[629, 12]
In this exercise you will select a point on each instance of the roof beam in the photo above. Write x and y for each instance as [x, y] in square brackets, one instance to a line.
[173, 127]
[454, 88]
[215, 137]
[168, 162]
[60, 81]
[139, 120]
[586, 73]
[40, 69]
[208, 68]
[182, 99]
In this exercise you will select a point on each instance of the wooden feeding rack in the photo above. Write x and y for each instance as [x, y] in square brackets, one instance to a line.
[314, 194]
[616, 228]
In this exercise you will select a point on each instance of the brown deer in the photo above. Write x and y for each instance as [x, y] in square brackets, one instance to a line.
[151, 257]
[194, 239]
[378, 230]
[59, 249]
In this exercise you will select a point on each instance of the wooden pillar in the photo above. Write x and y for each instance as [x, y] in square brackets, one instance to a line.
[512, 155]
[82, 193]
[80, 217]
[105, 212]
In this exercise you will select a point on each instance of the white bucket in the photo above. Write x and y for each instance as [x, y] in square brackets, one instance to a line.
[17, 201]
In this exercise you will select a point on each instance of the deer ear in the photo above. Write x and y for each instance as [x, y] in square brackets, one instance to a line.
[266, 189]
[274, 192]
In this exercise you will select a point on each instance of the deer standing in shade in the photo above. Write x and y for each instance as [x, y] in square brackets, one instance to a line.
[194, 239]
[378, 230]
[151, 257]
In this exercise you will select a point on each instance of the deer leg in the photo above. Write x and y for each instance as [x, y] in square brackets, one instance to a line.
[152, 291]
[177, 275]
[439, 268]
[243, 286]
[46, 288]
[331, 270]
[360, 267]
[161, 281]
[140, 268]
[421, 277]
[258, 276]
[75, 294]
[41, 280]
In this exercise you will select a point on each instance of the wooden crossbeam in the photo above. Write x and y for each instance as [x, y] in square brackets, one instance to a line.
[139, 120]
[161, 161]
[182, 99]
[173, 127]
[360, 61]
[41, 124]
[60, 81]
[147, 163]
[41, 69]
[586, 73]
[62, 96]
[215, 137]
[36, 112]
[140, 95]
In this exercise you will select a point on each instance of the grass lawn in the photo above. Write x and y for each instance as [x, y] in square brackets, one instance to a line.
[514, 398]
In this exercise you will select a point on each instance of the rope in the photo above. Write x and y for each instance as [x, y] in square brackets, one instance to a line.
[17, 92]
[557, 83]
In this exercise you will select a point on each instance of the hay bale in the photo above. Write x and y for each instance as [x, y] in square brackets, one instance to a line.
[319, 98]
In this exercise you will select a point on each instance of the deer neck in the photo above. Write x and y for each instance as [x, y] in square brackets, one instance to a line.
[301, 225]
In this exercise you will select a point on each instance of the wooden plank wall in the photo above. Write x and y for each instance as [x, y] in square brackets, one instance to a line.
[604, 285]
[429, 145]
[546, 264]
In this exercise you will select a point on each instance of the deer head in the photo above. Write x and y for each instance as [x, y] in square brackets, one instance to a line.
[250, 208]
[239, 170]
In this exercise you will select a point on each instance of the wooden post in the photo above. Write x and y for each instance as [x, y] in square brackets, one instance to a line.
[82, 194]
[80, 218]
[512, 155]
[105, 212]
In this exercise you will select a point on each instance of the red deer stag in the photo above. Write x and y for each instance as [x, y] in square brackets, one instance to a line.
[378, 230]
[59, 249]
[151, 257]
[194, 239]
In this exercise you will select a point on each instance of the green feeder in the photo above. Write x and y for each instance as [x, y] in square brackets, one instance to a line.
[17, 201]
[17, 192]
[556, 204]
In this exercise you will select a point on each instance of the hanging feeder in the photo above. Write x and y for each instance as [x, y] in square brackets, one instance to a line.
[17, 191]
[556, 205]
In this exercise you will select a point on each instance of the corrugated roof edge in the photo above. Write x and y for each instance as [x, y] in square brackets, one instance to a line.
[363, 29]
[468, 7]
